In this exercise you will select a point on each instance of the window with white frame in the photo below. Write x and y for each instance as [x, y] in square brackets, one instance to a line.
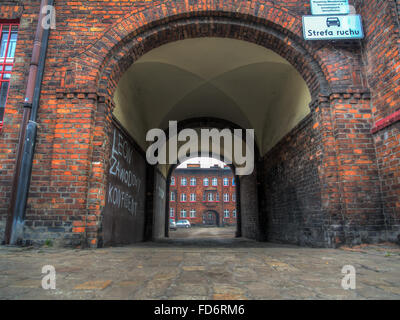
[210, 197]
[234, 197]
[183, 213]
[8, 43]
[234, 213]
[193, 213]
[226, 213]
[226, 197]
[192, 197]
[193, 181]
[171, 212]
[183, 197]
[205, 182]
[172, 181]
[215, 182]
[183, 182]
[217, 197]
[173, 196]
[226, 182]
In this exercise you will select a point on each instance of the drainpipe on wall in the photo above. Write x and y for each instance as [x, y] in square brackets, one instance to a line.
[27, 137]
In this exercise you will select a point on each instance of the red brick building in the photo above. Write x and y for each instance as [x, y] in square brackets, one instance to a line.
[325, 113]
[204, 196]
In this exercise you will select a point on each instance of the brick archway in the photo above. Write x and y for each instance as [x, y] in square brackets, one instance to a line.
[95, 73]
[99, 68]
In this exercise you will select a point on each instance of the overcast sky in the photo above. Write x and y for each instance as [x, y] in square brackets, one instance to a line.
[204, 162]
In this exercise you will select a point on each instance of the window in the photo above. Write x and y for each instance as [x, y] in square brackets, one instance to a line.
[234, 197]
[226, 213]
[183, 197]
[234, 213]
[193, 181]
[205, 182]
[8, 43]
[226, 197]
[173, 198]
[172, 181]
[217, 197]
[215, 182]
[192, 197]
[193, 213]
[183, 182]
[183, 213]
[233, 182]
[171, 212]
[210, 197]
[226, 182]
[204, 196]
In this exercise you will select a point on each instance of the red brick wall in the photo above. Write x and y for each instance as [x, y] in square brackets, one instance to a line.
[382, 62]
[200, 205]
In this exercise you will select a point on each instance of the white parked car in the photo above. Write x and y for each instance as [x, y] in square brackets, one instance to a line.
[183, 224]
[172, 224]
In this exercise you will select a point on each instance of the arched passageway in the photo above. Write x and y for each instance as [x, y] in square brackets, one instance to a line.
[252, 75]
[211, 83]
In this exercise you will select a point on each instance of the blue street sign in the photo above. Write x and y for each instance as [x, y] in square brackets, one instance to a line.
[332, 27]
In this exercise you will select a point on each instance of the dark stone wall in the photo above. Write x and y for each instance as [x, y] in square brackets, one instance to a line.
[249, 206]
[291, 209]
[159, 204]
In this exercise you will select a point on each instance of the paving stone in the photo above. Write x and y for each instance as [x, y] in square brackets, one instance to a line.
[228, 269]
[130, 284]
[225, 289]
[187, 297]
[193, 268]
[94, 285]
[27, 284]
[228, 296]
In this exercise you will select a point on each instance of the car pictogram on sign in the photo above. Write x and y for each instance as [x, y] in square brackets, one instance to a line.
[333, 21]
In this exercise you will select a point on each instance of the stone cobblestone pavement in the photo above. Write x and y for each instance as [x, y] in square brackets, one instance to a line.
[201, 269]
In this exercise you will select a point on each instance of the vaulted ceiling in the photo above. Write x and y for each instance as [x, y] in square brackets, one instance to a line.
[212, 77]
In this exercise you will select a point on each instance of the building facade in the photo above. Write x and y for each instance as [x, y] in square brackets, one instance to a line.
[205, 197]
[325, 113]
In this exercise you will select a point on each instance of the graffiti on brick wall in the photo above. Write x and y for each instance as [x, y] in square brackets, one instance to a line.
[124, 184]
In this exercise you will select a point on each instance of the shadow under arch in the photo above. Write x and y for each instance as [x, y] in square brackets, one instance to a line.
[217, 123]
[269, 35]
[209, 122]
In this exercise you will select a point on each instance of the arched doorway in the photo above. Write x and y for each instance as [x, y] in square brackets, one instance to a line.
[211, 218]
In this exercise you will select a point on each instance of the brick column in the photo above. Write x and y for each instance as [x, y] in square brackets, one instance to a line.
[62, 170]
[357, 172]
